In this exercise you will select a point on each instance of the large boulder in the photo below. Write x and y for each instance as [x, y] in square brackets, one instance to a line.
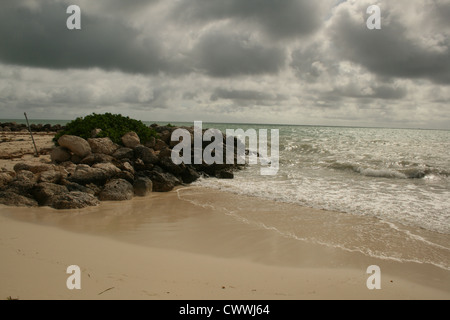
[102, 145]
[169, 166]
[74, 200]
[6, 178]
[147, 155]
[52, 176]
[97, 174]
[131, 140]
[110, 169]
[72, 186]
[60, 154]
[142, 186]
[189, 175]
[77, 145]
[151, 143]
[95, 158]
[23, 183]
[117, 190]
[160, 145]
[225, 174]
[165, 136]
[45, 192]
[33, 167]
[123, 153]
[10, 198]
[163, 182]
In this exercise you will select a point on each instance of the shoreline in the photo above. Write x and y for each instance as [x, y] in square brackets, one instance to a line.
[146, 247]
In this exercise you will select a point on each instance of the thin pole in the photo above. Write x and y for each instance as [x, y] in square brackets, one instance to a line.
[31, 134]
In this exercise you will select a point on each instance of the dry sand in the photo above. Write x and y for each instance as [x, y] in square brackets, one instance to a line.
[163, 247]
[133, 257]
[18, 147]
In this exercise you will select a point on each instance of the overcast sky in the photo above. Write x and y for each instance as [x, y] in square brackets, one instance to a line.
[244, 61]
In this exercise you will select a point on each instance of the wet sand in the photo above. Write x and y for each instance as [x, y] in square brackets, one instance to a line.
[167, 247]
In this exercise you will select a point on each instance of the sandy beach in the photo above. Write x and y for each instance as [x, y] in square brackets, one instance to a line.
[152, 254]
[18, 147]
[187, 244]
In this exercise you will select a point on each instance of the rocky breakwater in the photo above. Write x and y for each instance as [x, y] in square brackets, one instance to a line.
[85, 172]
[20, 127]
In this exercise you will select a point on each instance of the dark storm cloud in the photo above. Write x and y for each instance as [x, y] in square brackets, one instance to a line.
[40, 38]
[221, 54]
[279, 19]
[391, 51]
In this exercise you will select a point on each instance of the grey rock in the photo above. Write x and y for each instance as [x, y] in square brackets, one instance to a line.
[44, 192]
[77, 145]
[142, 186]
[131, 140]
[151, 143]
[95, 158]
[225, 174]
[123, 153]
[102, 145]
[98, 174]
[6, 178]
[117, 190]
[190, 175]
[160, 145]
[147, 155]
[10, 198]
[163, 182]
[52, 176]
[33, 167]
[60, 154]
[74, 200]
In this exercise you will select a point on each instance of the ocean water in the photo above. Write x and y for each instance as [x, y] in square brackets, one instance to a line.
[393, 183]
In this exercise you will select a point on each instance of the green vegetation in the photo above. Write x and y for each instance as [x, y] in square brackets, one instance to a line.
[113, 126]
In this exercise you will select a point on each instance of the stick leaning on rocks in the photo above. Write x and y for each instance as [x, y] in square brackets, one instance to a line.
[31, 134]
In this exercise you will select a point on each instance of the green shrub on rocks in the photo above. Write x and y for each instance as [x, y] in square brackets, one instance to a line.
[113, 126]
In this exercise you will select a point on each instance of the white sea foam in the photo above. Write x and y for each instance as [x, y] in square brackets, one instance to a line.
[397, 176]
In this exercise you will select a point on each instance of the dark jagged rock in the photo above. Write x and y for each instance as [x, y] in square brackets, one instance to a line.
[6, 178]
[190, 175]
[95, 158]
[52, 176]
[33, 167]
[160, 145]
[60, 154]
[10, 198]
[72, 186]
[23, 183]
[123, 153]
[117, 190]
[225, 174]
[142, 186]
[97, 174]
[74, 200]
[163, 182]
[147, 155]
[170, 167]
[45, 192]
